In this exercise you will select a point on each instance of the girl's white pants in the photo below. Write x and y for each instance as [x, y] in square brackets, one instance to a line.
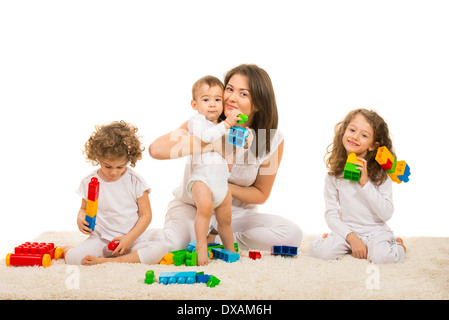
[381, 245]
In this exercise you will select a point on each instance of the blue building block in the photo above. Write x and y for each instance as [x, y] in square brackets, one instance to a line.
[191, 246]
[202, 278]
[237, 136]
[405, 176]
[284, 250]
[91, 221]
[188, 277]
[225, 255]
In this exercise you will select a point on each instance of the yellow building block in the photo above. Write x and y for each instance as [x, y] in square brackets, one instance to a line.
[384, 158]
[91, 208]
[352, 158]
[167, 259]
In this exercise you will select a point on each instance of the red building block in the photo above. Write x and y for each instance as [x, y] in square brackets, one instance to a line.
[254, 255]
[112, 245]
[33, 254]
[94, 189]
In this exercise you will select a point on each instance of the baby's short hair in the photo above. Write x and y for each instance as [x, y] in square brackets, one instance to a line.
[211, 81]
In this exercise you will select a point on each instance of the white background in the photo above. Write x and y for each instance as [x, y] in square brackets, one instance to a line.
[66, 66]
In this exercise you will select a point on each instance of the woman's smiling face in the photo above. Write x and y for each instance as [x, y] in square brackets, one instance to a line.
[238, 96]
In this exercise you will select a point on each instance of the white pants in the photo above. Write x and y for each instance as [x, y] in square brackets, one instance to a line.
[149, 252]
[381, 245]
[252, 230]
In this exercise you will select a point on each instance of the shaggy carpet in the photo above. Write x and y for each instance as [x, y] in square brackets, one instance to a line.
[424, 274]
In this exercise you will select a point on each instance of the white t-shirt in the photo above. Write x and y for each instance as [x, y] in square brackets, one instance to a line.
[117, 203]
[349, 207]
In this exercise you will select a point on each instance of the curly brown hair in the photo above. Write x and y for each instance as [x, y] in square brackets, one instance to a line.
[116, 140]
[336, 153]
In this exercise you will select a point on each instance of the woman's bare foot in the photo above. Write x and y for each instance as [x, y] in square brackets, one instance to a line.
[401, 243]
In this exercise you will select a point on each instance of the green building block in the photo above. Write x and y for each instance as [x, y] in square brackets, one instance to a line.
[351, 173]
[191, 258]
[149, 277]
[213, 281]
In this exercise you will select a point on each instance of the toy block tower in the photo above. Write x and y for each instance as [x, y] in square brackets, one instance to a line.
[237, 136]
[399, 171]
[351, 172]
[92, 202]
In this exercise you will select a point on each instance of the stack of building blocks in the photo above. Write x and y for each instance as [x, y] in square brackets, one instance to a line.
[189, 256]
[34, 254]
[399, 171]
[284, 250]
[92, 202]
[351, 172]
[186, 277]
[237, 136]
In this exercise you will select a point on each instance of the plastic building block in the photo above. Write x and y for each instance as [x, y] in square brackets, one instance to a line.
[188, 277]
[34, 254]
[167, 259]
[213, 281]
[191, 258]
[237, 136]
[149, 277]
[385, 158]
[225, 255]
[284, 250]
[254, 255]
[92, 202]
[399, 171]
[351, 172]
[113, 245]
[243, 118]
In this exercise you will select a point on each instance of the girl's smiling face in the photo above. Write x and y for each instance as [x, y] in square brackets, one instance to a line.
[237, 96]
[359, 137]
[112, 169]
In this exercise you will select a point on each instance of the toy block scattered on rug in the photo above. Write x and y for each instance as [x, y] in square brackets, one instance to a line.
[34, 254]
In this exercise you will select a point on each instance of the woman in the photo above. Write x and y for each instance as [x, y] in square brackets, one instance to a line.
[249, 89]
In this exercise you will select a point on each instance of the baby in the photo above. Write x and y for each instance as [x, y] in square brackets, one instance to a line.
[208, 183]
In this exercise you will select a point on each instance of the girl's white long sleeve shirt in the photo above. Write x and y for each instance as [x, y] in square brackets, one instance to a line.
[349, 207]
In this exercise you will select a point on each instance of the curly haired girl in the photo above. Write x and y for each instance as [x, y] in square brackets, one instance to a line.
[357, 212]
[124, 210]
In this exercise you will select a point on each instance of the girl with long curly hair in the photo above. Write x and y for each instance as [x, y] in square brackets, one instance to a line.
[357, 212]
[124, 210]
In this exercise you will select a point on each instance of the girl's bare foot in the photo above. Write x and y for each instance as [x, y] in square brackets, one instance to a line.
[91, 260]
[401, 243]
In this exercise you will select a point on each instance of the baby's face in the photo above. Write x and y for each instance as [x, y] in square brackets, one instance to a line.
[209, 101]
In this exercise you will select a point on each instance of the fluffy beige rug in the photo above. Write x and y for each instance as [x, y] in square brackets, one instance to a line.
[424, 274]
